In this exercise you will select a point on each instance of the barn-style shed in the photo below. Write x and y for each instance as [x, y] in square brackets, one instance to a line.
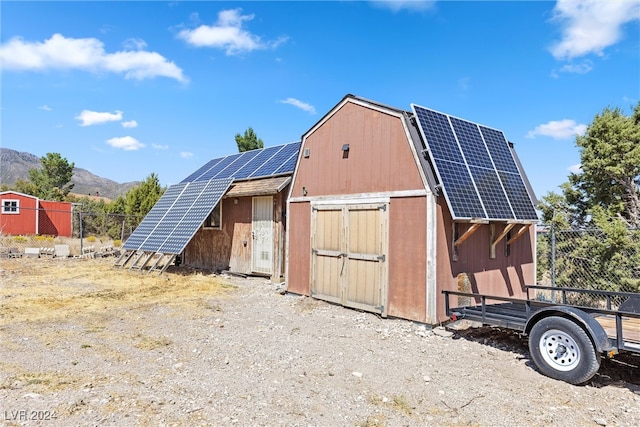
[23, 214]
[227, 215]
[388, 207]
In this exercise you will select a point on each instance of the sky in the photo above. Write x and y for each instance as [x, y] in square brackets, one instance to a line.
[126, 89]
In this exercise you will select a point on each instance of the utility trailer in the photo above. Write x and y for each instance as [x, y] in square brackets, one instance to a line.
[567, 339]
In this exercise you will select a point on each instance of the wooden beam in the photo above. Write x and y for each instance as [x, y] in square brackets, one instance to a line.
[472, 229]
[520, 232]
[495, 241]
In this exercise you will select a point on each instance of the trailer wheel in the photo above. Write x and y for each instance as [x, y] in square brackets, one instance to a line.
[561, 349]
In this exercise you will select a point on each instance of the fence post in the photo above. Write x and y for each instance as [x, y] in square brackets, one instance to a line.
[553, 255]
[81, 232]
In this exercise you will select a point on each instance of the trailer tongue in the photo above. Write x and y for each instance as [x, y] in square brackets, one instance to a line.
[567, 339]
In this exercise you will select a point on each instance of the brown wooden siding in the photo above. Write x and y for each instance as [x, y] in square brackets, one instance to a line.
[379, 158]
[501, 276]
[230, 248]
[224, 249]
[407, 258]
[299, 254]
[279, 231]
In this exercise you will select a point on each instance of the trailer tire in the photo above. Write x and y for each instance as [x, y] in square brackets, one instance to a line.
[561, 349]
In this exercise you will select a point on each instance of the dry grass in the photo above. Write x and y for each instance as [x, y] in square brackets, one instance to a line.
[48, 290]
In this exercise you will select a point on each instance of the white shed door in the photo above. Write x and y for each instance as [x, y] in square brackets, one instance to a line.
[262, 235]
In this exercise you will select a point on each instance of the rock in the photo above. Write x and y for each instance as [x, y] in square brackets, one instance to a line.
[463, 324]
[442, 332]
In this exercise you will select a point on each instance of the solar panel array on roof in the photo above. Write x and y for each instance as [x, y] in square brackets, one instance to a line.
[176, 217]
[259, 163]
[476, 168]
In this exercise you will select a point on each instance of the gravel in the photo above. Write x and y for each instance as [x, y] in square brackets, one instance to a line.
[263, 358]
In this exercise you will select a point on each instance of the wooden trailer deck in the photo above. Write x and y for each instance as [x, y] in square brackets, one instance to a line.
[630, 328]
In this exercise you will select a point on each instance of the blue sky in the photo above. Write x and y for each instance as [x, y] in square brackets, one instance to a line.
[125, 89]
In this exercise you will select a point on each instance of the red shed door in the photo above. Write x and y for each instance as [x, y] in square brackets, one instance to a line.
[348, 246]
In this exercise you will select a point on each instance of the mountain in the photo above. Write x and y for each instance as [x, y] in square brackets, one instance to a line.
[15, 165]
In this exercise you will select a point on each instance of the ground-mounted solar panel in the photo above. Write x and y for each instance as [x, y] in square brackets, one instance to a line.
[200, 209]
[184, 208]
[154, 217]
[475, 168]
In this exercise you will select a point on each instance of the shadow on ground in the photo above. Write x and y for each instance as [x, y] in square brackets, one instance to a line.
[621, 371]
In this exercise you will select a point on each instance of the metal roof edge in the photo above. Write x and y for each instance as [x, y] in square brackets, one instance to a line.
[419, 146]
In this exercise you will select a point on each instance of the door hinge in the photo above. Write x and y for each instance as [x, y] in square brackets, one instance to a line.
[382, 258]
[382, 207]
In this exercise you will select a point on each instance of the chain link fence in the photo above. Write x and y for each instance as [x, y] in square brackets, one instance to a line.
[590, 259]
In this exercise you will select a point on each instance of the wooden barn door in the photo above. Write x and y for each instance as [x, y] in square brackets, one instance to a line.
[262, 235]
[349, 255]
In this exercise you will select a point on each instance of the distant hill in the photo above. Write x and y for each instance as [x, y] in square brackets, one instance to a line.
[15, 165]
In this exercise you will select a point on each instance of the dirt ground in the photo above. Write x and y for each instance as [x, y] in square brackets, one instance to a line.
[85, 344]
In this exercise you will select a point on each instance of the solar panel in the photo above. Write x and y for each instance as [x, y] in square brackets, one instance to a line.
[289, 165]
[262, 156]
[275, 162]
[475, 167]
[218, 168]
[201, 171]
[202, 206]
[258, 163]
[176, 217]
[154, 217]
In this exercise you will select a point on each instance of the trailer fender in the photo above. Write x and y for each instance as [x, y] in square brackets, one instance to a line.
[595, 331]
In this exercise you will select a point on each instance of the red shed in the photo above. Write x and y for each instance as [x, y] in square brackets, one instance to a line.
[389, 207]
[24, 214]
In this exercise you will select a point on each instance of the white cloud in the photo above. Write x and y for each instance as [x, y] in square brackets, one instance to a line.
[186, 154]
[126, 143]
[160, 147]
[582, 68]
[299, 104]
[590, 26]
[129, 124]
[134, 44]
[558, 129]
[397, 5]
[87, 54]
[228, 34]
[90, 118]
[44, 108]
